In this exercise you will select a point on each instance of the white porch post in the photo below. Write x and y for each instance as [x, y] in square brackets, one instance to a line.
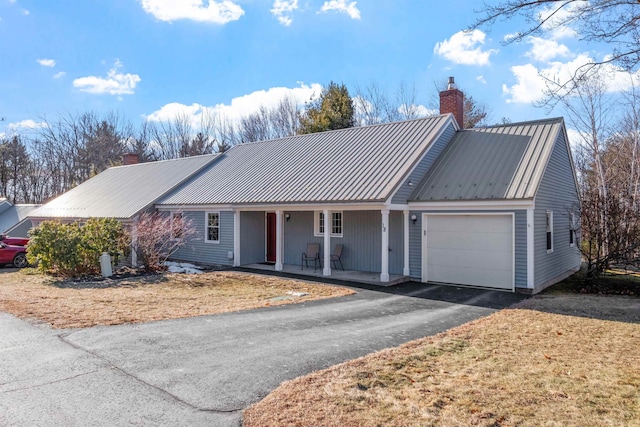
[384, 270]
[530, 249]
[134, 243]
[326, 271]
[405, 269]
[236, 238]
[279, 236]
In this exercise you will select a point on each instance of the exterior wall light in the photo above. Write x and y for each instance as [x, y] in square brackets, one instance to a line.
[287, 217]
[414, 219]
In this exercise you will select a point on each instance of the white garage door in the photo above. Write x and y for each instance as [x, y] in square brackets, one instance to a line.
[472, 250]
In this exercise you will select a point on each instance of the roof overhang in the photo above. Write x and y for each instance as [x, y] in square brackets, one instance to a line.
[334, 206]
[502, 204]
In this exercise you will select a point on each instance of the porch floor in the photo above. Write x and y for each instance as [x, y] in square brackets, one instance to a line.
[366, 277]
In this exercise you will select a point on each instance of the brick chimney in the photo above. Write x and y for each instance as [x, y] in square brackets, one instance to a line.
[452, 101]
[130, 159]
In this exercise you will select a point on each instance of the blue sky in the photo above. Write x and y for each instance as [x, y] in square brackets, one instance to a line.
[151, 59]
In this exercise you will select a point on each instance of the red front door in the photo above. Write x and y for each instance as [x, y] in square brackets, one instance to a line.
[271, 237]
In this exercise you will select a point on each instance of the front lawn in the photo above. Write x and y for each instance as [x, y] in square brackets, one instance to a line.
[80, 304]
[555, 360]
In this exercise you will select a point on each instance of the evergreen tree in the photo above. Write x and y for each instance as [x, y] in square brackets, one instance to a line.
[332, 110]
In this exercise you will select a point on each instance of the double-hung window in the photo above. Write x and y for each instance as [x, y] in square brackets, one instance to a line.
[549, 231]
[176, 226]
[572, 229]
[212, 222]
[335, 225]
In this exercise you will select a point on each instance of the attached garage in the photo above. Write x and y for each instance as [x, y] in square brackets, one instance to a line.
[469, 249]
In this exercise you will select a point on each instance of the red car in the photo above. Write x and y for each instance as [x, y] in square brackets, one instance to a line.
[16, 255]
[15, 241]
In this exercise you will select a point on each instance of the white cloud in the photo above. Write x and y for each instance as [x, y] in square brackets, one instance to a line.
[465, 48]
[576, 139]
[282, 10]
[25, 125]
[173, 110]
[217, 12]
[546, 50]
[510, 36]
[25, 12]
[341, 6]
[531, 81]
[47, 62]
[419, 110]
[530, 86]
[557, 19]
[240, 106]
[481, 79]
[114, 84]
[618, 79]
[58, 75]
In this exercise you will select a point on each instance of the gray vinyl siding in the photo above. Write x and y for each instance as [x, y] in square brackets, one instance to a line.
[20, 230]
[557, 193]
[421, 169]
[362, 239]
[196, 249]
[415, 246]
[520, 243]
[252, 237]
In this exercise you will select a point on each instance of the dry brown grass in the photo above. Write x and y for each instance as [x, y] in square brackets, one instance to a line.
[148, 298]
[517, 367]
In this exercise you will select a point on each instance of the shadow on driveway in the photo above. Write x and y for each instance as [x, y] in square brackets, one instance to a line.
[437, 292]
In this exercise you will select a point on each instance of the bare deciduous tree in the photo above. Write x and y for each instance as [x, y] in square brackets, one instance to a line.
[155, 238]
[611, 22]
[607, 161]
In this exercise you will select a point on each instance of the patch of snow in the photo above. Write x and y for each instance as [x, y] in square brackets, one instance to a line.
[297, 294]
[182, 267]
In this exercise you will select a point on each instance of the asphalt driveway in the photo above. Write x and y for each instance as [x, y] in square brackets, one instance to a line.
[206, 370]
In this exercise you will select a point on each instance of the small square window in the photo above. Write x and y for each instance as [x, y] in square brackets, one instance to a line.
[336, 224]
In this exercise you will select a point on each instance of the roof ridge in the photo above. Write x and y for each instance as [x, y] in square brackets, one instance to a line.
[342, 130]
[527, 122]
[168, 160]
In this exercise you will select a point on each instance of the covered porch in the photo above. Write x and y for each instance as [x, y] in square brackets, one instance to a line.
[367, 277]
[375, 242]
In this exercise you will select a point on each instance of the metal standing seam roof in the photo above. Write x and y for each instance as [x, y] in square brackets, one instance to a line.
[358, 164]
[498, 162]
[123, 191]
[14, 215]
[4, 204]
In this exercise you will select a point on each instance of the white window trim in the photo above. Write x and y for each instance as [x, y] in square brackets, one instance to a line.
[173, 215]
[316, 223]
[206, 227]
[549, 214]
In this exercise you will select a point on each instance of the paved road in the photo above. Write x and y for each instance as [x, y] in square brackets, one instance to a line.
[206, 370]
